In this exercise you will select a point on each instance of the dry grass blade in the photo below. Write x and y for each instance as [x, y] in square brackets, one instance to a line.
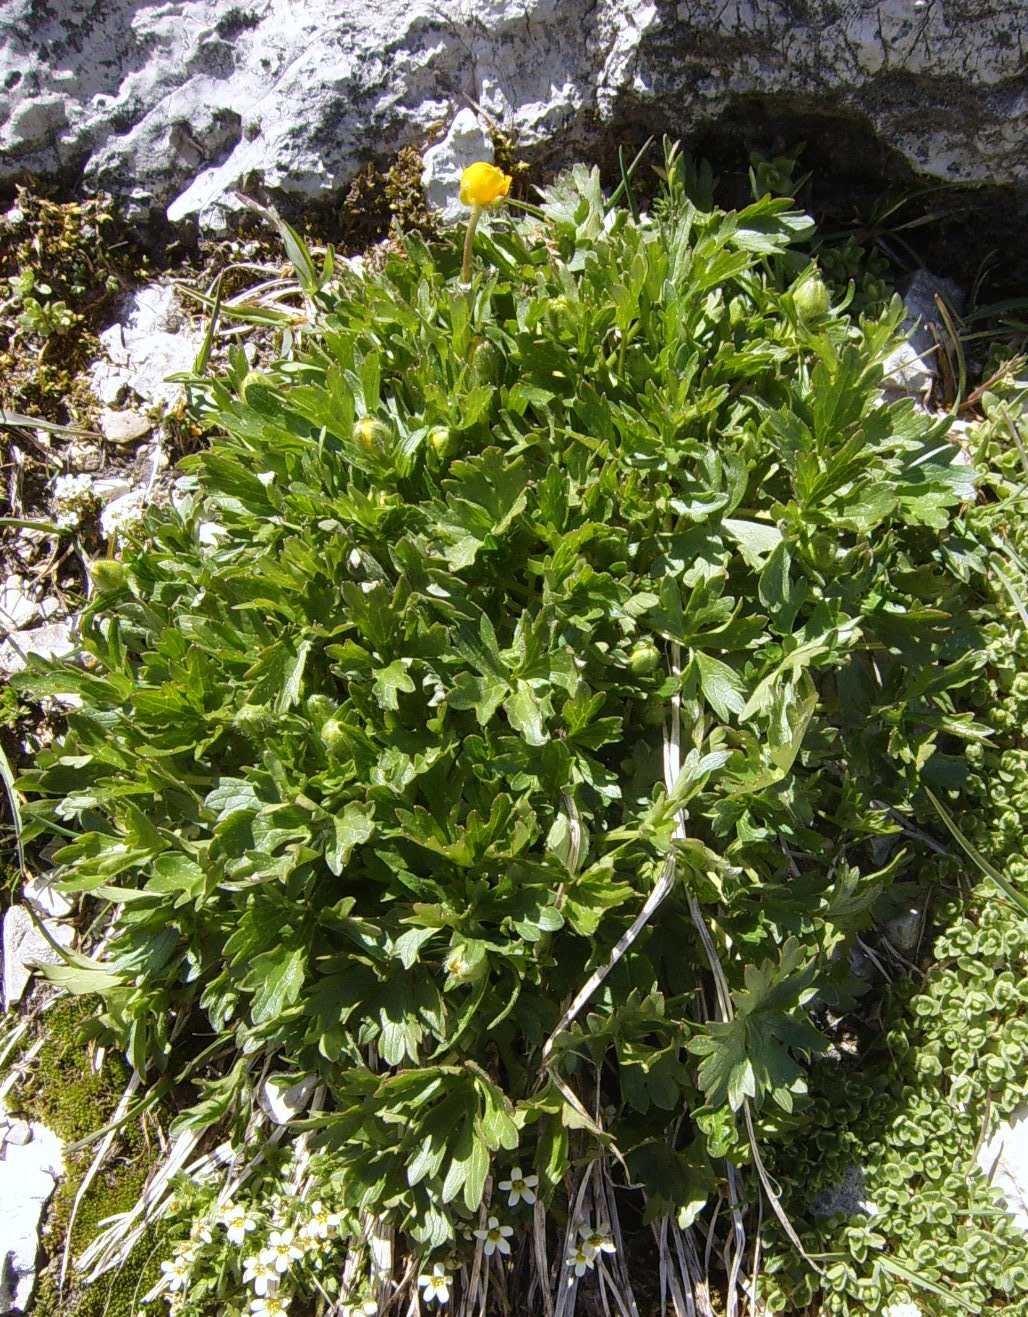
[689, 1264]
[476, 1266]
[672, 766]
[653, 901]
[91, 1173]
[542, 1265]
[112, 1246]
[772, 1196]
[567, 1281]
[16, 421]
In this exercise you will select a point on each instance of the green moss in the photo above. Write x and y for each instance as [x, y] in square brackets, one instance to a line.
[62, 1087]
[116, 1189]
[64, 1091]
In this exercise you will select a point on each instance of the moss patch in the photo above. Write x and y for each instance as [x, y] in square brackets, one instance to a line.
[64, 1091]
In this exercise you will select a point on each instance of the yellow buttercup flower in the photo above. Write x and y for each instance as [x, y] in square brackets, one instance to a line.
[482, 184]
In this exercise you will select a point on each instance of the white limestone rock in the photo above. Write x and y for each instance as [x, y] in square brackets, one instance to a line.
[42, 894]
[24, 947]
[124, 427]
[153, 339]
[18, 606]
[176, 104]
[466, 142]
[52, 640]
[1003, 1159]
[31, 1163]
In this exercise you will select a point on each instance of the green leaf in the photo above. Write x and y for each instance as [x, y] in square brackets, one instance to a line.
[408, 944]
[390, 681]
[527, 713]
[483, 694]
[275, 979]
[475, 1177]
[483, 497]
[756, 539]
[351, 828]
[721, 685]
[80, 978]
[176, 873]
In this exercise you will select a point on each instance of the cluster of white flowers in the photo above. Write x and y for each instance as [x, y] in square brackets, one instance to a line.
[72, 496]
[902, 1310]
[582, 1256]
[122, 512]
[265, 1269]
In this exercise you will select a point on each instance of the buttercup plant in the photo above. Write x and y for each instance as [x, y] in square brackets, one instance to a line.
[555, 705]
[481, 186]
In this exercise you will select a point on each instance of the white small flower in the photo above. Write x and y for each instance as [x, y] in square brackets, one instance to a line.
[597, 1241]
[519, 1187]
[176, 1273]
[71, 496]
[200, 1231]
[238, 1222]
[282, 1250]
[259, 1273]
[581, 1260]
[186, 1253]
[495, 1237]
[271, 1306]
[322, 1222]
[122, 512]
[902, 1310]
[436, 1286]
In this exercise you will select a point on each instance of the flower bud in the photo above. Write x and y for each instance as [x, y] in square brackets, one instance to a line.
[333, 735]
[372, 435]
[439, 440]
[811, 299]
[644, 659]
[250, 718]
[107, 575]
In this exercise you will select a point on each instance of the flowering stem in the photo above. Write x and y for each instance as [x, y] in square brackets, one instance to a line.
[469, 239]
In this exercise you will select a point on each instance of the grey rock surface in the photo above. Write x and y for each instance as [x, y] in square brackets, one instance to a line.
[174, 104]
[52, 640]
[847, 1198]
[24, 947]
[31, 1163]
[152, 340]
[1003, 1159]
[466, 141]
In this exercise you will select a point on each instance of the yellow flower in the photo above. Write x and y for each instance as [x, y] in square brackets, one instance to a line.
[481, 184]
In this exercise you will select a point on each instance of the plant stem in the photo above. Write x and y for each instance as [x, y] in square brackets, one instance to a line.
[469, 239]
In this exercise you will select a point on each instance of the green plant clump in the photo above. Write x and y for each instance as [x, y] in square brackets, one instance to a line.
[500, 725]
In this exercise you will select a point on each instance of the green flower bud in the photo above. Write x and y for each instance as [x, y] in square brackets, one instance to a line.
[644, 659]
[251, 718]
[440, 440]
[107, 575]
[372, 436]
[811, 299]
[333, 735]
